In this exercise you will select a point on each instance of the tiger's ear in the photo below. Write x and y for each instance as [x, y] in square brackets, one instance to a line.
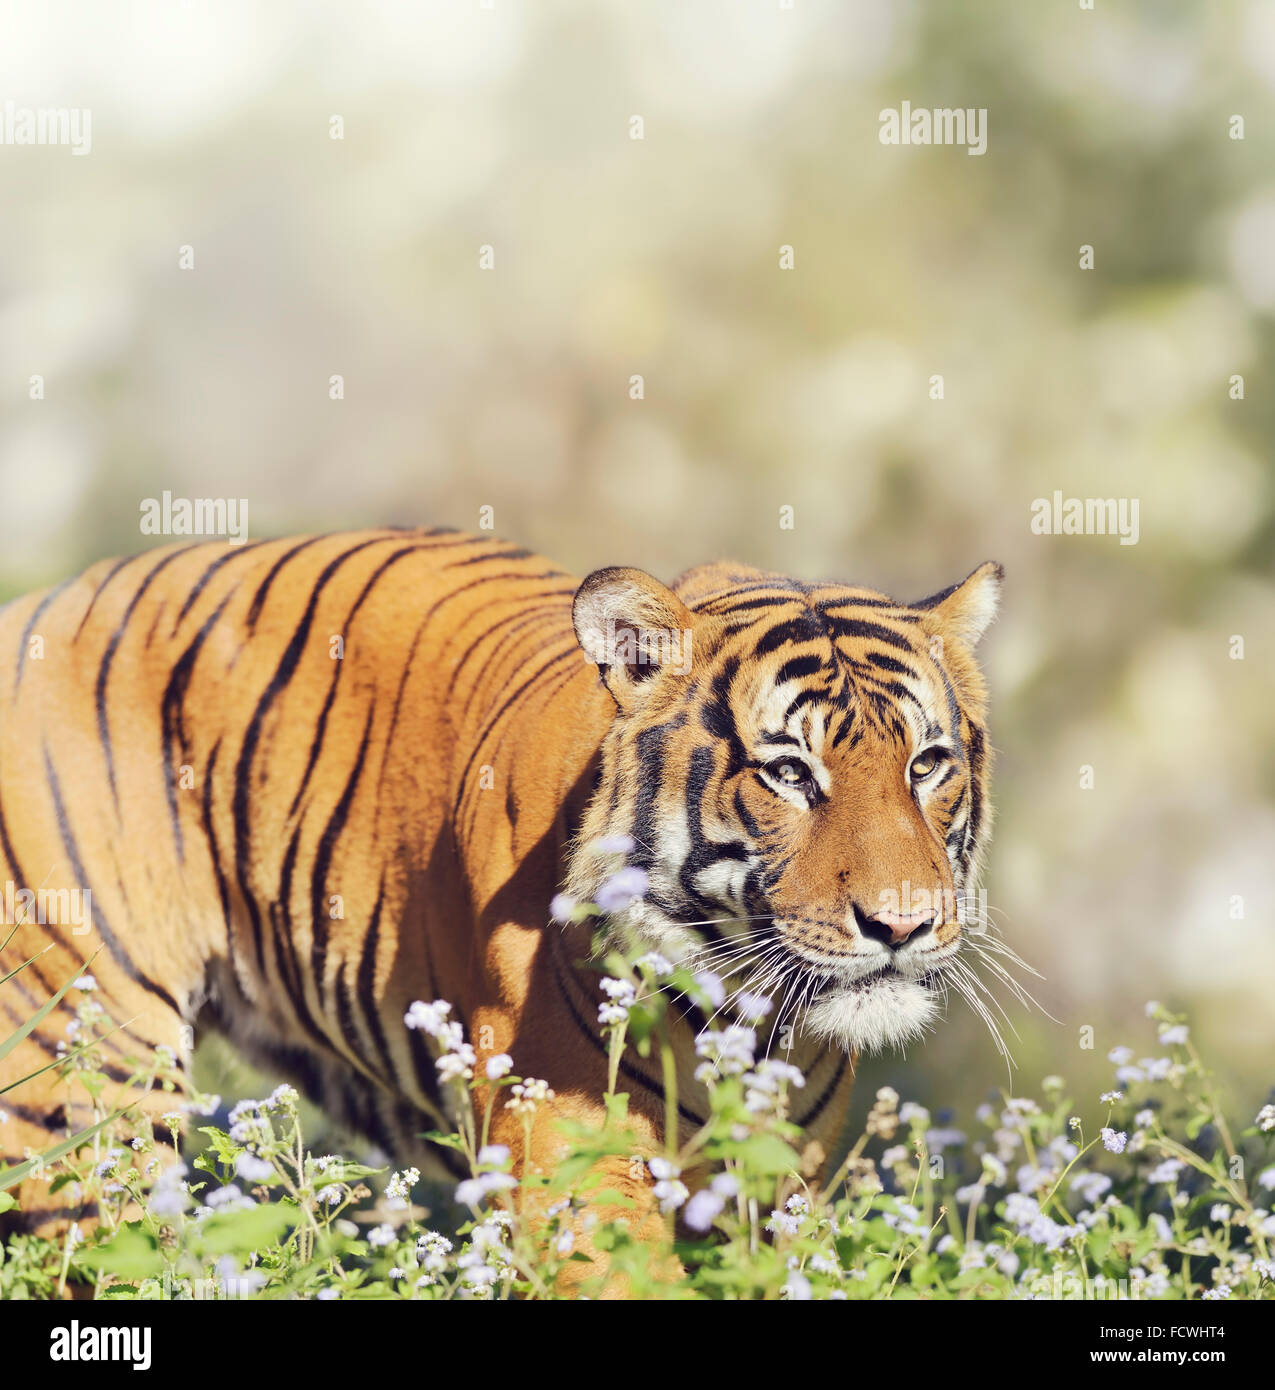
[631, 627]
[967, 608]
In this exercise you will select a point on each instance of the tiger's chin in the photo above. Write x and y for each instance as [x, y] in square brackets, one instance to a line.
[881, 1012]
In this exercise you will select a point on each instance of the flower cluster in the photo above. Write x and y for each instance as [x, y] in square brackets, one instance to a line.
[456, 1060]
[526, 1096]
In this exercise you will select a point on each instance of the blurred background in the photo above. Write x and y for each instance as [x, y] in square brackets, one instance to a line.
[509, 125]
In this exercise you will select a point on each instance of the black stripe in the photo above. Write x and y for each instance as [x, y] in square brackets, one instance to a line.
[366, 986]
[202, 582]
[898, 690]
[423, 1065]
[572, 653]
[717, 717]
[316, 743]
[259, 598]
[802, 628]
[704, 853]
[897, 611]
[7, 846]
[494, 554]
[25, 640]
[223, 892]
[173, 722]
[798, 667]
[809, 696]
[513, 623]
[935, 599]
[345, 1017]
[398, 701]
[287, 961]
[97, 593]
[650, 755]
[323, 861]
[37, 1119]
[100, 922]
[746, 605]
[952, 769]
[875, 632]
[845, 730]
[108, 658]
[825, 1095]
[975, 823]
[888, 663]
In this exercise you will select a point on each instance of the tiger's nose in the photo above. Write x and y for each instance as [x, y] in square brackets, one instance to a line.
[901, 925]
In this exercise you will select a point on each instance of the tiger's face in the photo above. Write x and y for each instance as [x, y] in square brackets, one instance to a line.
[803, 773]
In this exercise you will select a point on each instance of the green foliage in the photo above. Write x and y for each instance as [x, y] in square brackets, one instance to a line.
[1144, 1194]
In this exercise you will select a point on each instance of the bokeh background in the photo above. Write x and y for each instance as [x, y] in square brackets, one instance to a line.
[509, 125]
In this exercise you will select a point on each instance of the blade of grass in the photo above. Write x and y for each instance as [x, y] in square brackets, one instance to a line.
[25, 963]
[9, 1177]
[16, 1037]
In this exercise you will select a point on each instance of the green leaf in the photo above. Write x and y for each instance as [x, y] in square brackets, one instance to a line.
[344, 1172]
[610, 1197]
[246, 1229]
[94, 1082]
[767, 1155]
[448, 1141]
[641, 1026]
[222, 1144]
[132, 1253]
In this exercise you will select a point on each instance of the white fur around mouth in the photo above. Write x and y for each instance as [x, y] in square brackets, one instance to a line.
[879, 1011]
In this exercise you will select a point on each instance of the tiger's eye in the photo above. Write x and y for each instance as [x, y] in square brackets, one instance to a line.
[789, 771]
[924, 763]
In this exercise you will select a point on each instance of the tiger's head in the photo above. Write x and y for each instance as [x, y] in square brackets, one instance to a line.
[802, 771]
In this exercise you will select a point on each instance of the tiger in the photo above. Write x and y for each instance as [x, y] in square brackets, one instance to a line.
[306, 783]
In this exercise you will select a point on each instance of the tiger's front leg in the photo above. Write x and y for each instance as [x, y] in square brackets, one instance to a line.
[616, 1189]
[562, 1092]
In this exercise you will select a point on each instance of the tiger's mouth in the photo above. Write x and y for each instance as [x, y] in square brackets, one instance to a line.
[879, 1010]
[871, 979]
